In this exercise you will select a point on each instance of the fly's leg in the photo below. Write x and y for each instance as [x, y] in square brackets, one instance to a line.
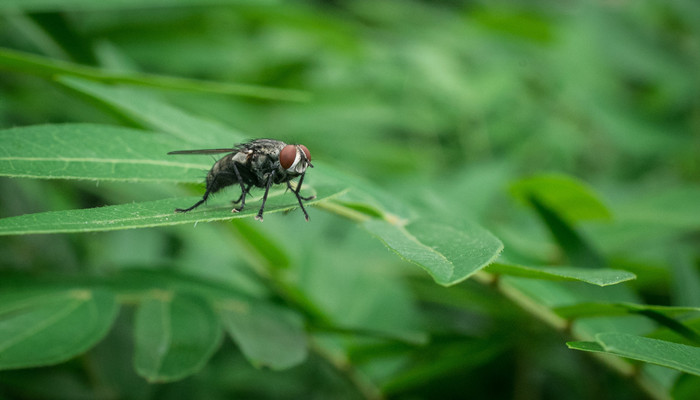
[212, 187]
[244, 190]
[197, 204]
[296, 192]
[259, 217]
[300, 197]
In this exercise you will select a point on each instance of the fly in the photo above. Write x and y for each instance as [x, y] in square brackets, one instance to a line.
[258, 163]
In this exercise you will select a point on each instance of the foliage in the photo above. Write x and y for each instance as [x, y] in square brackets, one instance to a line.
[532, 166]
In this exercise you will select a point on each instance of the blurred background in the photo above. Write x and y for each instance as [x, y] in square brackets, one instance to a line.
[444, 104]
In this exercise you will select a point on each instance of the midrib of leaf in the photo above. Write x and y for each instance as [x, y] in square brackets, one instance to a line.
[167, 334]
[402, 228]
[109, 161]
[432, 253]
[36, 329]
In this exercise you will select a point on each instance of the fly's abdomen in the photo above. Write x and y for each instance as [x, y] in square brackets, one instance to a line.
[221, 175]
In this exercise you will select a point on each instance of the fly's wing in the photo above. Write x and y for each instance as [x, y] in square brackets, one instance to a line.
[203, 151]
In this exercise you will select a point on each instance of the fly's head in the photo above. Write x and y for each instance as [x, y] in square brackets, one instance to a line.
[295, 158]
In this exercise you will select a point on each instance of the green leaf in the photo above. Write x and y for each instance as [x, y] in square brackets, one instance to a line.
[50, 68]
[89, 151]
[154, 213]
[448, 253]
[592, 347]
[267, 335]
[566, 196]
[175, 335]
[600, 277]
[49, 326]
[685, 278]
[587, 310]
[150, 111]
[84, 5]
[661, 314]
[672, 355]
[676, 207]
[577, 249]
[260, 244]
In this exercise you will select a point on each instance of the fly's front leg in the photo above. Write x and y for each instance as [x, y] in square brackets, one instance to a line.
[300, 197]
[298, 189]
[259, 217]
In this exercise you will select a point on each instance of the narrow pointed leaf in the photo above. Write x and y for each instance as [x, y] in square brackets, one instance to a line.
[267, 335]
[600, 277]
[153, 213]
[587, 310]
[46, 327]
[449, 254]
[663, 315]
[175, 335]
[668, 354]
[50, 68]
[575, 246]
[150, 111]
[564, 195]
[90, 151]
[592, 347]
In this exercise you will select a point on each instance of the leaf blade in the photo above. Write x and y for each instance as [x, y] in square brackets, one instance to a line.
[599, 277]
[667, 354]
[175, 335]
[149, 214]
[267, 335]
[49, 68]
[95, 152]
[38, 328]
[449, 254]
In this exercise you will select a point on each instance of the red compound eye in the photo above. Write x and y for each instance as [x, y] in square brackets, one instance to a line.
[306, 152]
[288, 155]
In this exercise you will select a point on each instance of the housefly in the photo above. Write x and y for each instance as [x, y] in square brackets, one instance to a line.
[257, 163]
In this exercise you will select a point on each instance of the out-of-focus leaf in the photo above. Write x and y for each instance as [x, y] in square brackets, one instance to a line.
[441, 360]
[600, 277]
[577, 249]
[268, 335]
[89, 5]
[678, 207]
[672, 355]
[40, 327]
[89, 151]
[448, 253]
[661, 314]
[564, 195]
[49, 68]
[148, 110]
[685, 278]
[174, 336]
[587, 310]
[261, 245]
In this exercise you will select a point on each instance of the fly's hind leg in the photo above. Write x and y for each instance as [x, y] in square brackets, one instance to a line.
[197, 204]
[212, 187]
[244, 190]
